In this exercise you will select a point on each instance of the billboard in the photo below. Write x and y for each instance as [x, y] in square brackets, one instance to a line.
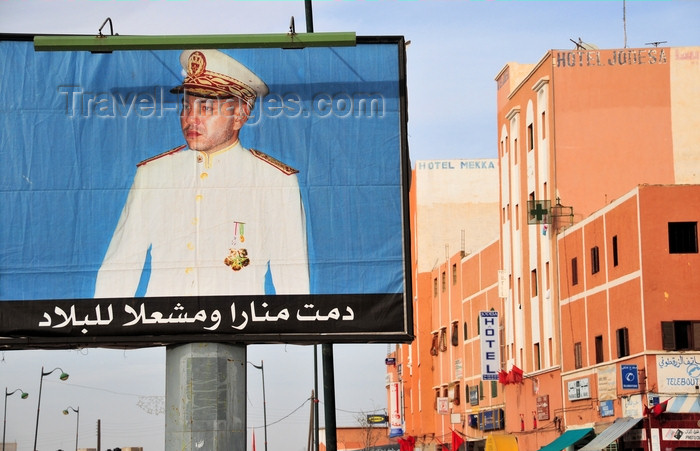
[163, 196]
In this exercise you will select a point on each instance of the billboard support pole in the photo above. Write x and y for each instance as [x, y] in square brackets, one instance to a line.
[309, 16]
[329, 396]
[205, 397]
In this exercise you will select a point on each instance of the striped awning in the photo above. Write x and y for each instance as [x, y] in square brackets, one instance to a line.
[612, 433]
[684, 404]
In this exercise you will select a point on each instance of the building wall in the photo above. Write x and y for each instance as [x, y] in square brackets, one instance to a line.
[582, 128]
[606, 136]
[634, 295]
[456, 211]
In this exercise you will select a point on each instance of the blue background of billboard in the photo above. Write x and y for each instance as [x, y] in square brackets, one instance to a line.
[67, 168]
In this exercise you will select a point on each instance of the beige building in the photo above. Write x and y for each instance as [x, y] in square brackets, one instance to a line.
[456, 208]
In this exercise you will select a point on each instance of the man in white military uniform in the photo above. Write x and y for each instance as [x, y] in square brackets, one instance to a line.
[215, 215]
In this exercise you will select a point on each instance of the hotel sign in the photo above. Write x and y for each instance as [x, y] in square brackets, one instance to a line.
[490, 345]
[619, 57]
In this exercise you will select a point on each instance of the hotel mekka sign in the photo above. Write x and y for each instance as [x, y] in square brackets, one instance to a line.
[490, 345]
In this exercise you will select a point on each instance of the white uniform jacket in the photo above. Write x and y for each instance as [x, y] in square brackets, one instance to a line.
[213, 224]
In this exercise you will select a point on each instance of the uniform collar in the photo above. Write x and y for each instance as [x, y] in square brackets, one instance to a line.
[208, 158]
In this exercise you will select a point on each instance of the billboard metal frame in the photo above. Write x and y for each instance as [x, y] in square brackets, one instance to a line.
[21, 320]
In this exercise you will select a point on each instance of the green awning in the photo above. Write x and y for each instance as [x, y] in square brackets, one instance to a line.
[567, 439]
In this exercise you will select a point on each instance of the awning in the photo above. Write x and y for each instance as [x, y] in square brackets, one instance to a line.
[567, 439]
[612, 433]
[504, 442]
[684, 404]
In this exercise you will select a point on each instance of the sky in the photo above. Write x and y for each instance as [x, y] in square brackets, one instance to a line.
[456, 49]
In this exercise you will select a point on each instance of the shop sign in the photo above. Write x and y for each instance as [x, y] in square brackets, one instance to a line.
[680, 434]
[443, 406]
[578, 389]
[543, 407]
[607, 408]
[630, 377]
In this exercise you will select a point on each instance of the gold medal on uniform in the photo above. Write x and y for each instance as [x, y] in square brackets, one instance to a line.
[237, 257]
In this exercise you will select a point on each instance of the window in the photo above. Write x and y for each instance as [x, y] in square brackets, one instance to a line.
[494, 389]
[614, 246]
[435, 292]
[530, 137]
[683, 237]
[454, 274]
[578, 361]
[444, 281]
[623, 345]
[680, 335]
[574, 271]
[442, 346]
[456, 394]
[437, 395]
[434, 345]
[454, 339]
[466, 335]
[543, 126]
[481, 390]
[533, 282]
[538, 360]
[595, 260]
[515, 151]
[599, 357]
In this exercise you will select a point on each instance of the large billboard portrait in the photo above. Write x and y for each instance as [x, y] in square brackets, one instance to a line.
[166, 196]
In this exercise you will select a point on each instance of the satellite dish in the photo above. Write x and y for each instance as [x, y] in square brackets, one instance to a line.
[580, 45]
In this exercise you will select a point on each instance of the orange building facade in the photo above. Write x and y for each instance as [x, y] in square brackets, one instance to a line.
[598, 155]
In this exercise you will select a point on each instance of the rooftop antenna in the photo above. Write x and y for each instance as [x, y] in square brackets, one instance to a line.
[655, 43]
[624, 20]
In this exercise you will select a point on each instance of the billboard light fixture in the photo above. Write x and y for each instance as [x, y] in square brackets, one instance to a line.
[108, 43]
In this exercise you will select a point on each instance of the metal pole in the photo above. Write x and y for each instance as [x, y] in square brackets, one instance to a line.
[4, 420]
[38, 405]
[309, 16]
[329, 397]
[262, 370]
[315, 400]
[77, 422]
[77, 425]
[24, 395]
[63, 377]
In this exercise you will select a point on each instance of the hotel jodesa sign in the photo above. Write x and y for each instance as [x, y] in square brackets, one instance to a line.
[490, 345]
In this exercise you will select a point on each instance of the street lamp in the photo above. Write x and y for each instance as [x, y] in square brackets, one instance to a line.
[24, 395]
[262, 369]
[77, 422]
[63, 377]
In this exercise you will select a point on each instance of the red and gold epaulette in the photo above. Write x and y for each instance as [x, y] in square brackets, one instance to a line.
[274, 162]
[168, 152]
